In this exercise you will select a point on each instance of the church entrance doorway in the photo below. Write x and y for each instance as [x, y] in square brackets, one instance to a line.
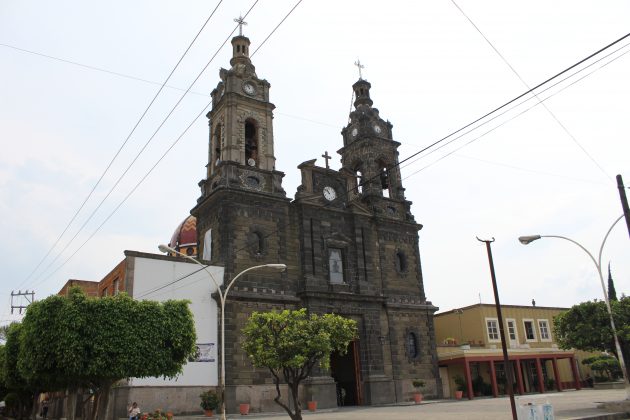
[346, 371]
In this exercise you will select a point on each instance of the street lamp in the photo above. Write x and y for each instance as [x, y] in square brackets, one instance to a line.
[222, 298]
[598, 264]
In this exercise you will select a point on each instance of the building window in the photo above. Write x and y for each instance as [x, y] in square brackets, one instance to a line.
[530, 333]
[401, 262]
[116, 287]
[543, 326]
[207, 245]
[257, 243]
[493, 329]
[251, 143]
[335, 265]
[412, 345]
[511, 328]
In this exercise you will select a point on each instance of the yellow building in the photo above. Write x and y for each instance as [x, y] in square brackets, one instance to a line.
[470, 352]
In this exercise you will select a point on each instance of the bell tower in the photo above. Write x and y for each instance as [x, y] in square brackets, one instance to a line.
[241, 147]
[369, 150]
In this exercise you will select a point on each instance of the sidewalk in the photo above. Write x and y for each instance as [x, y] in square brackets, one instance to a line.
[568, 405]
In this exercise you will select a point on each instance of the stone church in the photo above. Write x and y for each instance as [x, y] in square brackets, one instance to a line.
[349, 240]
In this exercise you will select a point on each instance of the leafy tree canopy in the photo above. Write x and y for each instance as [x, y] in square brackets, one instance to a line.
[587, 327]
[291, 343]
[97, 341]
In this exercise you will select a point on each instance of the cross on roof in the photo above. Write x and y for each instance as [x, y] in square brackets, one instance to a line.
[360, 66]
[241, 21]
[326, 157]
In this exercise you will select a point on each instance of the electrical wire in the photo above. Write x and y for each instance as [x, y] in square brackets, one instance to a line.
[485, 122]
[551, 113]
[117, 154]
[515, 116]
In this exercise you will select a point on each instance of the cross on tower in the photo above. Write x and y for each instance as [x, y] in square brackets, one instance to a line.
[241, 21]
[326, 157]
[360, 66]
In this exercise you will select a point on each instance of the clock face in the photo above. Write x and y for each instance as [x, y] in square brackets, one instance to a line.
[377, 129]
[355, 132]
[329, 193]
[248, 88]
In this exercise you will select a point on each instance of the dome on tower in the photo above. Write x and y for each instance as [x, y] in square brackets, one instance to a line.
[184, 238]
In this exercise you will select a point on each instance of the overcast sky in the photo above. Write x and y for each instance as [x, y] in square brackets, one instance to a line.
[76, 76]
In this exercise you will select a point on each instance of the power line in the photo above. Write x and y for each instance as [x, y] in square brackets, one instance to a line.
[516, 98]
[522, 102]
[116, 154]
[94, 68]
[277, 26]
[127, 76]
[553, 115]
[515, 116]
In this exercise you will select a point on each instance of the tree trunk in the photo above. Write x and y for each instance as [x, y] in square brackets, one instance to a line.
[71, 404]
[35, 406]
[101, 400]
[293, 387]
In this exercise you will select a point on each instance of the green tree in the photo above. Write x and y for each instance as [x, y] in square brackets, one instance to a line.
[291, 343]
[612, 293]
[587, 327]
[95, 342]
[24, 392]
[604, 365]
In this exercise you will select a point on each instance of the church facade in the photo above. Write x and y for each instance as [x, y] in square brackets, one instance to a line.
[349, 240]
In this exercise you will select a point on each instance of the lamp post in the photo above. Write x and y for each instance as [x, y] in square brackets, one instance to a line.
[598, 264]
[222, 297]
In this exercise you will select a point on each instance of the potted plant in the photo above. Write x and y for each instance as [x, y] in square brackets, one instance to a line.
[461, 386]
[243, 408]
[209, 402]
[418, 384]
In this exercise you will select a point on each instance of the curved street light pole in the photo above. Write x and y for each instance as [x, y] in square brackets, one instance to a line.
[222, 298]
[598, 264]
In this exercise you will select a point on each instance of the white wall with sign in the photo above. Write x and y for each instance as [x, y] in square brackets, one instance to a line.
[160, 279]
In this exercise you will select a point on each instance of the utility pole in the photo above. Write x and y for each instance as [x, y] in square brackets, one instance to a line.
[624, 201]
[506, 359]
[18, 302]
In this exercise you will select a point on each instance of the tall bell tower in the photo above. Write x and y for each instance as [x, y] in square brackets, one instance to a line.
[369, 150]
[241, 151]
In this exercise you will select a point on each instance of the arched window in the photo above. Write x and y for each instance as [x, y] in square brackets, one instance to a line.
[359, 176]
[412, 345]
[217, 144]
[401, 262]
[256, 242]
[251, 143]
[384, 177]
[335, 265]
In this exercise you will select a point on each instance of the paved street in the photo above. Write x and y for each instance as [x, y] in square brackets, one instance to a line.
[567, 405]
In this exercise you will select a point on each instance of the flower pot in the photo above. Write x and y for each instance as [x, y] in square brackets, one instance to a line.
[417, 397]
[459, 395]
[243, 409]
[312, 405]
[208, 413]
